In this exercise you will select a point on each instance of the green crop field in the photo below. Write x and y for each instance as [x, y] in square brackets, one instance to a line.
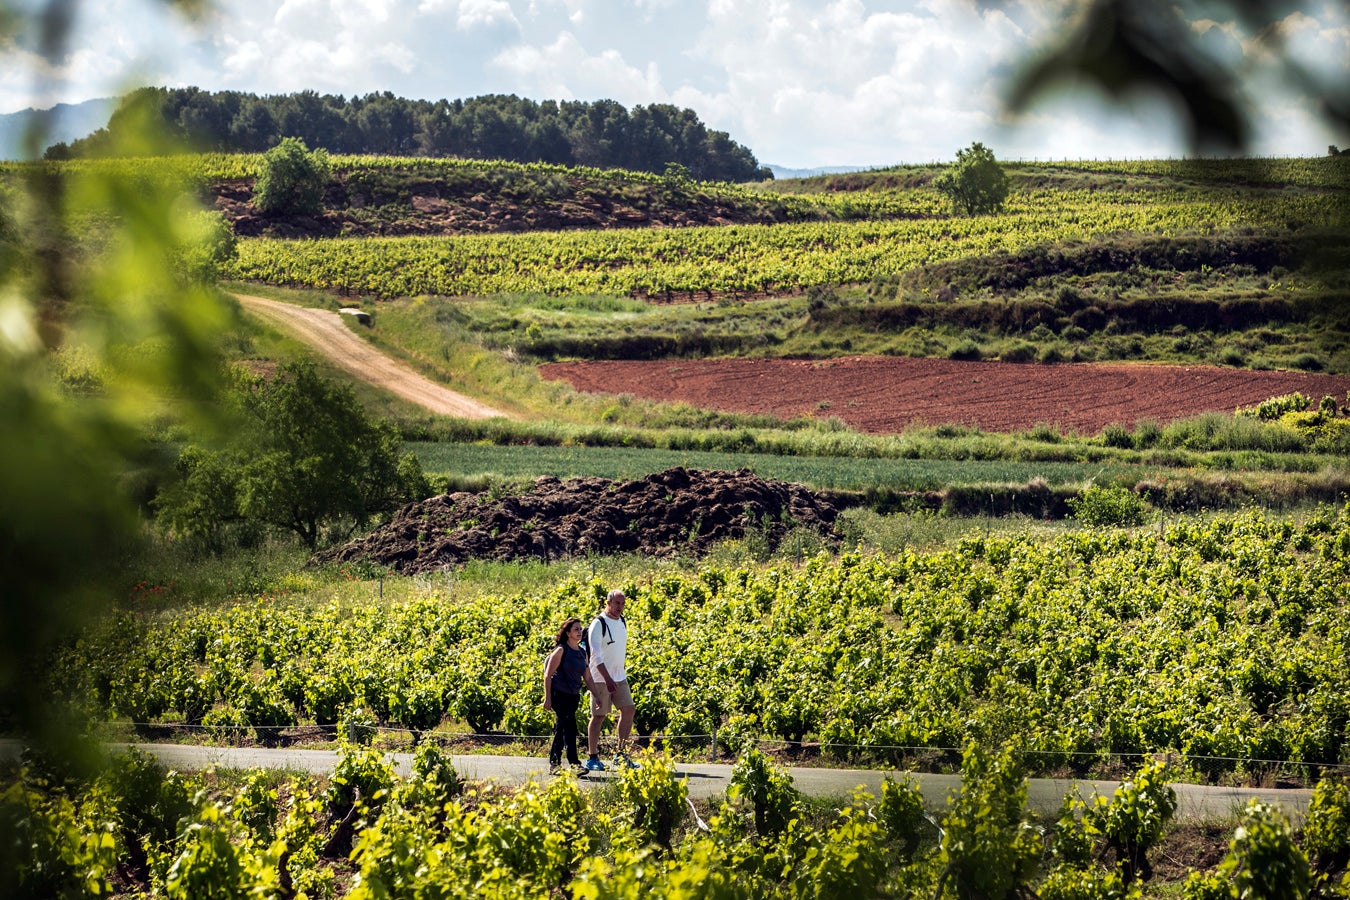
[843, 473]
[753, 259]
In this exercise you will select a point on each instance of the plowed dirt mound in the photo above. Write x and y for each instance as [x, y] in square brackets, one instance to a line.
[676, 512]
[884, 395]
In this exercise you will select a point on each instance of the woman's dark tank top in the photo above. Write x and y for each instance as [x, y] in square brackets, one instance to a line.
[567, 678]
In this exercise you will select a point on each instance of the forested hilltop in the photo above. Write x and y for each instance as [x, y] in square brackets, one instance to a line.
[602, 134]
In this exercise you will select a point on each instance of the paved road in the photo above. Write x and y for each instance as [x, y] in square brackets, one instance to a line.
[325, 331]
[705, 780]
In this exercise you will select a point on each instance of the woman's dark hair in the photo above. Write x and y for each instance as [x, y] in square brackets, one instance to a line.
[561, 637]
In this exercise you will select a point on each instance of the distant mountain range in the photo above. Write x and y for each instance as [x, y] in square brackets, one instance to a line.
[66, 122]
[780, 172]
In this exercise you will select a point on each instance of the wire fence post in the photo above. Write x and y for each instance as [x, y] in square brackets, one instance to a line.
[712, 753]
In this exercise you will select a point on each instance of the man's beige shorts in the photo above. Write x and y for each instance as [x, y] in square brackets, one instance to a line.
[602, 701]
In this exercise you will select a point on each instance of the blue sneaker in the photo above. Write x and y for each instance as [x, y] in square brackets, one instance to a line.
[594, 765]
[621, 761]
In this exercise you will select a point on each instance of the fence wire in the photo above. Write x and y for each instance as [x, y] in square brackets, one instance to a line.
[1186, 767]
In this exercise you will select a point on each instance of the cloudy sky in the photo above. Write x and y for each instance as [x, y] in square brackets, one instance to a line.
[802, 83]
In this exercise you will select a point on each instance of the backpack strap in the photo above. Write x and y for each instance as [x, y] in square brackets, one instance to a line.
[604, 626]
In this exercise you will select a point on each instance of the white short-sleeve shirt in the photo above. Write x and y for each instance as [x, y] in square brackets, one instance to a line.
[609, 648]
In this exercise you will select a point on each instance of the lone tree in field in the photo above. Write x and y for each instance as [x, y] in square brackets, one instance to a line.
[975, 183]
[292, 179]
[305, 458]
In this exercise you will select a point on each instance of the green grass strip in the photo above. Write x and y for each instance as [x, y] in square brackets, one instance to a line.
[624, 463]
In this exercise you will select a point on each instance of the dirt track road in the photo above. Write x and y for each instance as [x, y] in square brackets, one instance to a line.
[324, 331]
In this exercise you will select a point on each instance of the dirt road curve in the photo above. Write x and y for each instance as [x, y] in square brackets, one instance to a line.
[325, 331]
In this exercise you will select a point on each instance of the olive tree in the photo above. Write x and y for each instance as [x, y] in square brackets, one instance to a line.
[292, 179]
[976, 184]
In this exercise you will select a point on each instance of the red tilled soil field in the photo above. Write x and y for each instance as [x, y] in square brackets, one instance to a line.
[886, 394]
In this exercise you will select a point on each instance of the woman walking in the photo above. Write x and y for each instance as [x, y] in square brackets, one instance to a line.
[566, 669]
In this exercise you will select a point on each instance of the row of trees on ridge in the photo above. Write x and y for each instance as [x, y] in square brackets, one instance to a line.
[603, 133]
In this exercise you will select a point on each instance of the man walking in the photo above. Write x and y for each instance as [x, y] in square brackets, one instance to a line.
[608, 642]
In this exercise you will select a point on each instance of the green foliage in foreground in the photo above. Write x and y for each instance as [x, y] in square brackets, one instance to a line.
[1224, 641]
[98, 338]
[430, 835]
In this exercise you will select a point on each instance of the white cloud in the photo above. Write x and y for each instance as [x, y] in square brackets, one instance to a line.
[294, 13]
[241, 58]
[1321, 44]
[565, 70]
[343, 46]
[19, 78]
[573, 10]
[1063, 129]
[89, 64]
[485, 13]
